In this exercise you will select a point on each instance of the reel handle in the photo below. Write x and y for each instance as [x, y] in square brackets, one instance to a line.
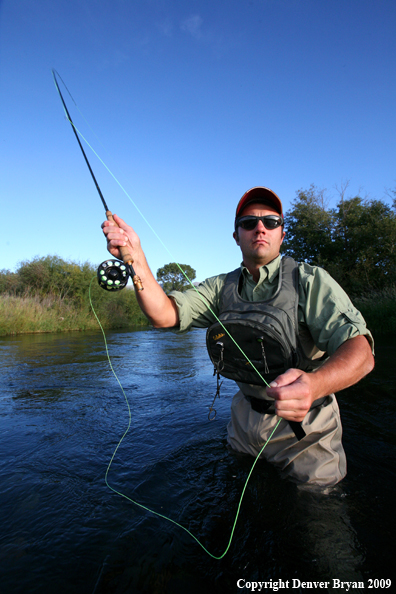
[126, 256]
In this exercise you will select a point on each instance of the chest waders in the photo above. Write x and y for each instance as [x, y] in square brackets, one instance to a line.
[266, 331]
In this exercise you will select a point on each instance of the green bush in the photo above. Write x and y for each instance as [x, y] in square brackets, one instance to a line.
[52, 295]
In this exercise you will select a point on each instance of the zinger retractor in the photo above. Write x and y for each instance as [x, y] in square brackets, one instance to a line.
[113, 275]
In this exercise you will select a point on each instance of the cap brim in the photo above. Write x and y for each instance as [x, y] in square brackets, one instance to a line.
[259, 194]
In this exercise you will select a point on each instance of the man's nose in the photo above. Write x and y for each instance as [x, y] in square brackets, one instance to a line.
[260, 227]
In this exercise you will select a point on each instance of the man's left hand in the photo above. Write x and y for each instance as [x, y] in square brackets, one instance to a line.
[293, 393]
[296, 390]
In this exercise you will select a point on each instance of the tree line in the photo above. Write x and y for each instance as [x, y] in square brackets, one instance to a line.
[355, 241]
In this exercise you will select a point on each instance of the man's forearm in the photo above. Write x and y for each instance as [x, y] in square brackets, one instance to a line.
[160, 310]
[295, 391]
[155, 304]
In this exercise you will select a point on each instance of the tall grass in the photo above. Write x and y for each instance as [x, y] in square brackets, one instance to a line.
[379, 310]
[32, 313]
[39, 314]
[52, 295]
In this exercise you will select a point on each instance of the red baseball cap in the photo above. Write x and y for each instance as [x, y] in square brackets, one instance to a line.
[259, 194]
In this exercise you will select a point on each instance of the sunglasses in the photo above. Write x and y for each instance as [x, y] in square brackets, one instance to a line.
[250, 222]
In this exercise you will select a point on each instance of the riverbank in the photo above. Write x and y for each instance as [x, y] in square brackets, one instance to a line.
[33, 314]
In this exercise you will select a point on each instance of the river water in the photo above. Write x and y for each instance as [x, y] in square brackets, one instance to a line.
[63, 530]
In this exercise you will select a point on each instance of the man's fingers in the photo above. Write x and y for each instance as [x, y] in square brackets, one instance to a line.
[292, 394]
[121, 223]
[290, 376]
[115, 235]
[291, 410]
[119, 236]
[290, 406]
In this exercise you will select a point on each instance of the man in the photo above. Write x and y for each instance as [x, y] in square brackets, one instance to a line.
[330, 347]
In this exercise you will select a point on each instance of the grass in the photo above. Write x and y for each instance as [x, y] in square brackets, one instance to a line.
[379, 310]
[31, 313]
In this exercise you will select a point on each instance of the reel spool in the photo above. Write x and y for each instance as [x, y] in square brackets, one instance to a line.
[113, 275]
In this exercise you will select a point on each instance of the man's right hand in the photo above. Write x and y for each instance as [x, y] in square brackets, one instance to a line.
[116, 237]
[155, 304]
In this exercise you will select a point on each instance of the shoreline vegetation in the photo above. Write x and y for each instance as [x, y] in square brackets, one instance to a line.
[355, 242]
[34, 315]
[379, 310]
[52, 295]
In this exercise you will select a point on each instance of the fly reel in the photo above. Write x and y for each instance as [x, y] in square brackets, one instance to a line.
[113, 275]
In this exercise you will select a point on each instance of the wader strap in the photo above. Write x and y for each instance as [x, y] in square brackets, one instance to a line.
[298, 430]
[263, 407]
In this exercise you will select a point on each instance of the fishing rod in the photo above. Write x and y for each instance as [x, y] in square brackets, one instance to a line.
[112, 274]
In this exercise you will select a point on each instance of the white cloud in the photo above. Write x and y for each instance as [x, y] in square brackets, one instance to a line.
[192, 25]
[166, 27]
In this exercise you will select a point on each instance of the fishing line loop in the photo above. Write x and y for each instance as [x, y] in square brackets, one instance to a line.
[79, 134]
[126, 432]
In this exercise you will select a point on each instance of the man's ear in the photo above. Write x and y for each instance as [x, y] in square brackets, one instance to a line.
[236, 237]
[283, 236]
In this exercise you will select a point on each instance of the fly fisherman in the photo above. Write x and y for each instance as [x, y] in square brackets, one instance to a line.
[299, 328]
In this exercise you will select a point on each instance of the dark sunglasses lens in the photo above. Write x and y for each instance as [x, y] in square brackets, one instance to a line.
[250, 223]
[271, 223]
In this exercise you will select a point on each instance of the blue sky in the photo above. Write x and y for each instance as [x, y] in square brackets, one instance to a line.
[189, 104]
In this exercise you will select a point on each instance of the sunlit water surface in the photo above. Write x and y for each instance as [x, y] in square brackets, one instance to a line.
[63, 530]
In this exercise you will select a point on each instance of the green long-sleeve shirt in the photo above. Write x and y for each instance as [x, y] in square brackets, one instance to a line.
[324, 309]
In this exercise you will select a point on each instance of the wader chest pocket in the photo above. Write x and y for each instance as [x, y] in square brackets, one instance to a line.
[262, 344]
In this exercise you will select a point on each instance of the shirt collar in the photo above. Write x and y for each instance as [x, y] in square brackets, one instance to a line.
[268, 272]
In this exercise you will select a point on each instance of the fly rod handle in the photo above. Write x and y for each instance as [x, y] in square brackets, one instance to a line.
[127, 257]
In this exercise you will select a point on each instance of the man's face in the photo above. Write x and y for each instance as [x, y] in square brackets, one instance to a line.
[260, 245]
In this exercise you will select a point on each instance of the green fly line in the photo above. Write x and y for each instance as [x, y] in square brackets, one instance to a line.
[166, 248]
[114, 373]
[77, 132]
[124, 435]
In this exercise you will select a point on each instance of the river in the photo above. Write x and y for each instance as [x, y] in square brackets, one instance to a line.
[63, 530]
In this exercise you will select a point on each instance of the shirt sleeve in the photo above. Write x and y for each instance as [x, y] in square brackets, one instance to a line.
[327, 311]
[199, 307]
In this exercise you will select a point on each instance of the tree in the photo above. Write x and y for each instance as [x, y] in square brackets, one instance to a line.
[309, 228]
[50, 275]
[364, 245]
[171, 278]
[8, 281]
[355, 242]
